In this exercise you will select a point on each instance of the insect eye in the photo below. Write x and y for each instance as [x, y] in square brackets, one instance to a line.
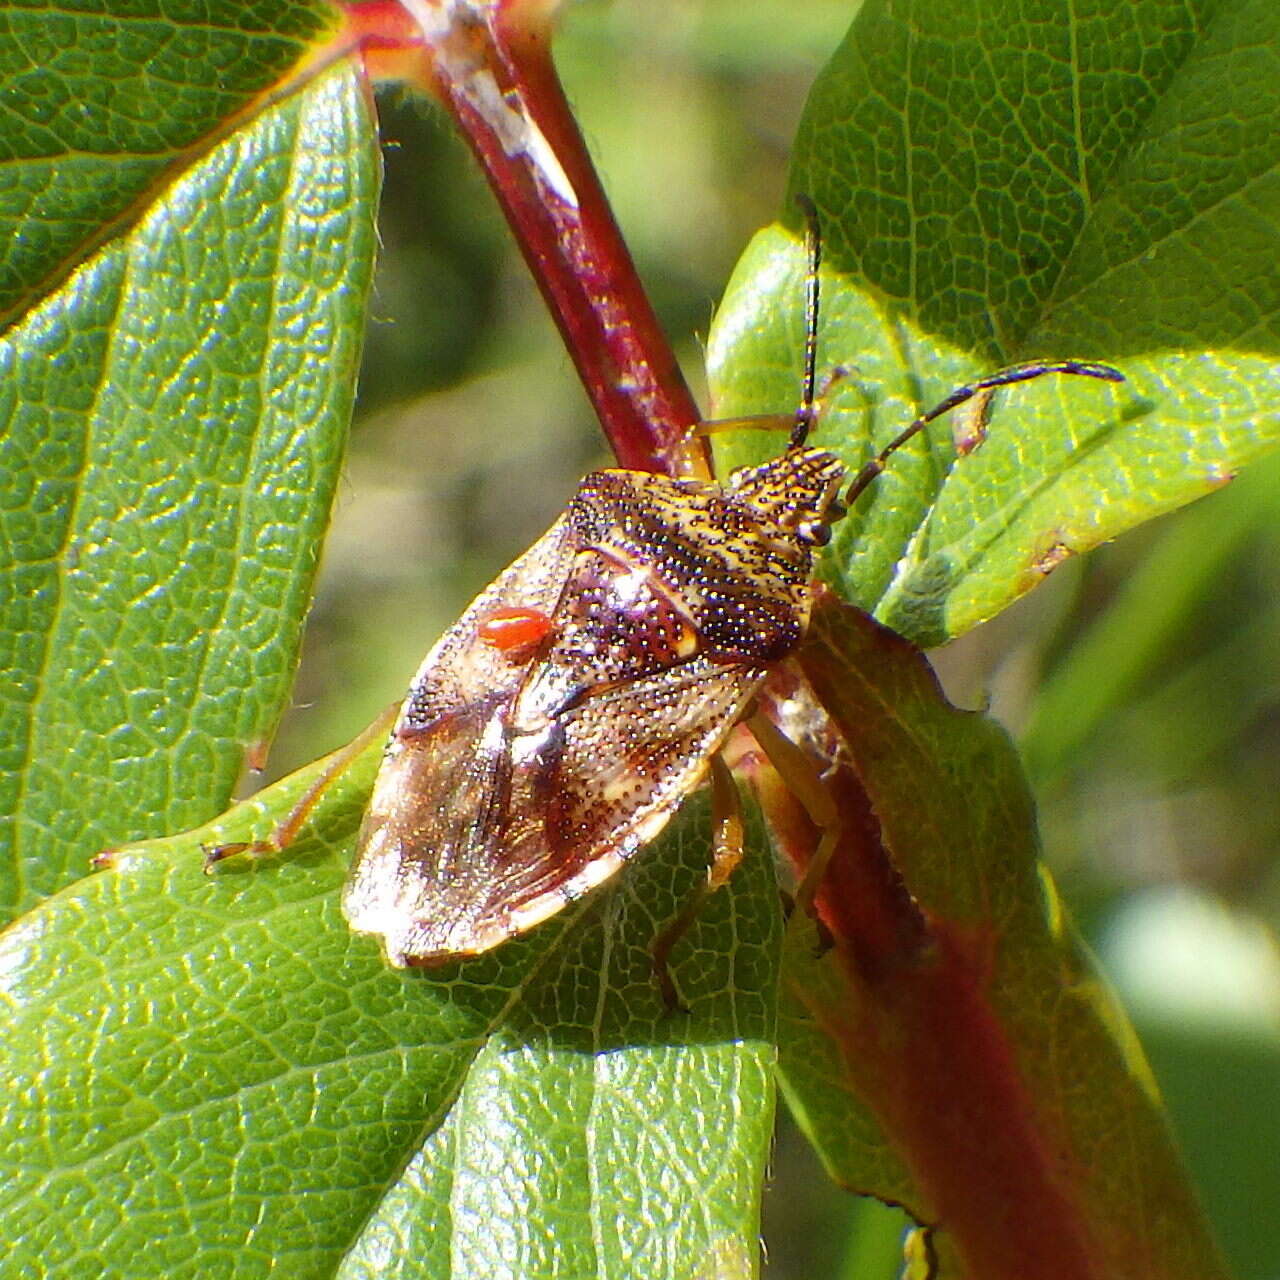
[816, 533]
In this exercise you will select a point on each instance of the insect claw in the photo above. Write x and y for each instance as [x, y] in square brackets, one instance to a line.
[216, 853]
[833, 378]
[826, 939]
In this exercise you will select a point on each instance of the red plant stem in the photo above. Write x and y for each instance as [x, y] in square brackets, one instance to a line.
[924, 1052]
[490, 65]
[924, 1046]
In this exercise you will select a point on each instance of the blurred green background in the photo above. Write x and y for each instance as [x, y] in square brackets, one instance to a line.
[1142, 682]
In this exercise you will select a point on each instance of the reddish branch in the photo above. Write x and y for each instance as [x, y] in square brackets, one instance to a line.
[489, 64]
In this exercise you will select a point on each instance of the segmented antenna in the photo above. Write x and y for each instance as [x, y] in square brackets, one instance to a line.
[813, 248]
[1001, 378]
[807, 410]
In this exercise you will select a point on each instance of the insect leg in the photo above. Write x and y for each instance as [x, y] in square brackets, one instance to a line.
[803, 780]
[284, 834]
[1001, 378]
[726, 853]
[752, 422]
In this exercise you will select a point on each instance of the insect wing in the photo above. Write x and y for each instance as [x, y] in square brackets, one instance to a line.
[499, 839]
[440, 784]
[627, 757]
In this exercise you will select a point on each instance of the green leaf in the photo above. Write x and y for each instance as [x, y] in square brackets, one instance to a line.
[578, 1142]
[999, 182]
[174, 419]
[954, 1053]
[104, 103]
[214, 1072]
[249, 1080]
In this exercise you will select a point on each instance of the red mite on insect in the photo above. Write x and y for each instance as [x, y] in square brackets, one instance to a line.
[554, 729]
[514, 631]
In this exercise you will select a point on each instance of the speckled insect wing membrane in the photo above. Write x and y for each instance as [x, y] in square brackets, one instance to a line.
[517, 778]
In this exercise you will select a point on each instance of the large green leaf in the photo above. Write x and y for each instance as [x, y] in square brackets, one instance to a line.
[174, 418]
[998, 183]
[1005, 181]
[104, 103]
[214, 1075]
[216, 1072]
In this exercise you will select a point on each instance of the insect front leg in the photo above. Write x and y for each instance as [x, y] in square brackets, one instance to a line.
[287, 830]
[727, 841]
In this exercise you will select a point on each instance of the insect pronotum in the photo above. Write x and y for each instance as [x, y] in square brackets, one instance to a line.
[554, 729]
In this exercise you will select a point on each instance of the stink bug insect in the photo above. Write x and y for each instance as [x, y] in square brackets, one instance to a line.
[558, 724]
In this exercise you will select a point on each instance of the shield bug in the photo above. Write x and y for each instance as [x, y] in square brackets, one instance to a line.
[554, 729]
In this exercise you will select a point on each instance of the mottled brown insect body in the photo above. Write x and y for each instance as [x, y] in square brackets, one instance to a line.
[557, 726]
[520, 776]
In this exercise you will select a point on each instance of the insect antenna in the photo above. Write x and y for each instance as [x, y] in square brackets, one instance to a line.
[801, 421]
[1001, 378]
[813, 250]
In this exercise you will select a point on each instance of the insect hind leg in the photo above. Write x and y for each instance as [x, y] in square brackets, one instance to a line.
[727, 842]
[288, 828]
[801, 778]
